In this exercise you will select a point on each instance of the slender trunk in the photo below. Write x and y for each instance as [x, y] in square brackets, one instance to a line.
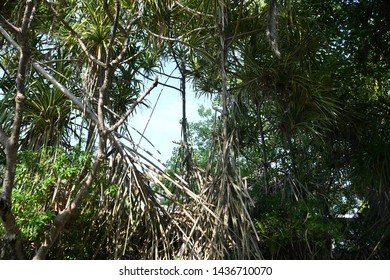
[224, 83]
[228, 191]
[184, 125]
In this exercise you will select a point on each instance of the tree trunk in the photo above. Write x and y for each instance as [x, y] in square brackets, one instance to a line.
[12, 238]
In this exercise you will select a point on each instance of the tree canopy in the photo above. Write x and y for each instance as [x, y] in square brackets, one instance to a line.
[292, 161]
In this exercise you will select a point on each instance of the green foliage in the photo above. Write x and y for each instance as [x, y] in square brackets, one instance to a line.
[45, 181]
[309, 130]
[296, 229]
[200, 137]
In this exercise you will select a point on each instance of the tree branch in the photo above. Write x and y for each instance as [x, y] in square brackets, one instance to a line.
[9, 38]
[114, 28]
[9, 25]
[83, 107]
[111, 17]
[121, 55]
[138, 101]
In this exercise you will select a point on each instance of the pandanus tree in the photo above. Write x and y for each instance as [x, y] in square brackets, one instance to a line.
[104, 46]
[297, 139]
[297, 111]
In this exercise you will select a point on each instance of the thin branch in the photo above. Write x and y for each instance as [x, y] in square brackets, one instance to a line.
[52, 70]
[125, 44]
[83, 107]
[114, 20]
[160, 83]
[9, 25]
[167, 75]
[9, 38]
[133, 56]
[121, 55]
[135, 104]
[114, 28]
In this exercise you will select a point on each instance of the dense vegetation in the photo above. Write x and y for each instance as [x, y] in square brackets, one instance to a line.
[291, 162]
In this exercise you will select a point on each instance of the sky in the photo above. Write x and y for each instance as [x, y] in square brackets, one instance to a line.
[164, 126]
